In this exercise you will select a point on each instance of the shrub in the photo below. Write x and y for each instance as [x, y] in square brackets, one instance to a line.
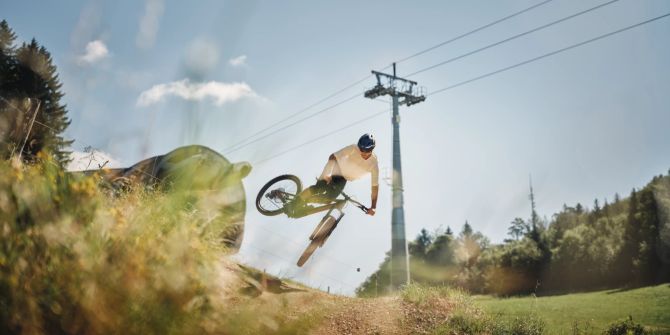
[582, 328]
[462, 316]
[419, 294]
[625, 327]
[478, 323]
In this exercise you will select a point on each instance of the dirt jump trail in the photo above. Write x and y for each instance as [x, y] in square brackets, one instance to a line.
[364, 316]
[337, 314]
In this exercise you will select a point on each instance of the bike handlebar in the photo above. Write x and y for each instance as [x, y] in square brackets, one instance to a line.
[356, 203]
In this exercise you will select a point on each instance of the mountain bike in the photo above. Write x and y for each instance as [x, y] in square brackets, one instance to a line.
[280, 196]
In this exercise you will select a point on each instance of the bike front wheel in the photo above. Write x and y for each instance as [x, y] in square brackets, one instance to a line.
[308, 252]
[277, 193]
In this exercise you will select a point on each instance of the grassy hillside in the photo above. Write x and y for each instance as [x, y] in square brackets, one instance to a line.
[590, 312]
[80, 258]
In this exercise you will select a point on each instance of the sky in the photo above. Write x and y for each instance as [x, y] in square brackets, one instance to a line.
[144, 77]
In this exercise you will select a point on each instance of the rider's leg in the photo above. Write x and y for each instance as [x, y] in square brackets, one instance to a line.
[309, 192]
[323, 189]
[300, 202]
[336, 187]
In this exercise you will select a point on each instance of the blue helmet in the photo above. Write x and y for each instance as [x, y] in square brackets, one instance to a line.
[366, 143]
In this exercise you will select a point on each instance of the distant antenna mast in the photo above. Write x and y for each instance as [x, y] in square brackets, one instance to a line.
[533, 213]
[410, 93]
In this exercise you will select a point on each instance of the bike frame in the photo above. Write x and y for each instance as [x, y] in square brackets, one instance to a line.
[337, 203]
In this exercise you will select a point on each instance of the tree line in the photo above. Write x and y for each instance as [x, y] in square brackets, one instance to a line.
[32, 116]
[623, 243]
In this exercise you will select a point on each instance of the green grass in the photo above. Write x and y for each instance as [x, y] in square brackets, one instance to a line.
[445, 310]
[649, 306]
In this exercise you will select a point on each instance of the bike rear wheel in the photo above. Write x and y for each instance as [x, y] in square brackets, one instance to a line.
[277, 193]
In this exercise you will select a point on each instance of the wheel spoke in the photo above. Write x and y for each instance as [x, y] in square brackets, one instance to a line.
[278, 193]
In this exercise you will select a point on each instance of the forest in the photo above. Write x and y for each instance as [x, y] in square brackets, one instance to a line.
[624, 243]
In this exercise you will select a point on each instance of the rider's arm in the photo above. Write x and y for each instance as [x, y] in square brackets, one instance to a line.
[375, 191]
[375, 187]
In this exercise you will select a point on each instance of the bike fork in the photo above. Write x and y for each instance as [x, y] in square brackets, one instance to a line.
[336, 220]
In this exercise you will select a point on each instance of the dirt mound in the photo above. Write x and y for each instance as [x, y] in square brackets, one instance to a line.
[281, 304]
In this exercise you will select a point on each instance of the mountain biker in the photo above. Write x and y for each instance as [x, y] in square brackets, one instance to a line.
[348, 164]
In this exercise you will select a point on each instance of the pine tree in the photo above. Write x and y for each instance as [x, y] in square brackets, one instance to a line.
[418, 247]
[648, 262]
[7, 38]
[628, 252]
[37, 80]
[7, 81]
[467, 230]
[440, 252]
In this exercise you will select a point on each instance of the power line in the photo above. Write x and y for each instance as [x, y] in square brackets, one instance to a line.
[511, 38]
[318, 138]
[234, 146]
[243, 142]
[477, 78]
[549, 54]
[357, 95]
[461, 56]
[447, 61]
[472, 31]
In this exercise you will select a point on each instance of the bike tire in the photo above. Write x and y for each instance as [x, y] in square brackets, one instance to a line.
[308, 252]
[322, 229]
[330, 231]
[267, 186]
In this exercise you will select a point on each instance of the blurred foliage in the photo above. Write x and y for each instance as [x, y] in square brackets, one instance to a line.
[77, 258]
[625, 243]
[74, 260]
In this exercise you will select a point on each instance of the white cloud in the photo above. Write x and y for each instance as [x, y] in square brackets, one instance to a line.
[91, 160]
[95, 51]
[153, 10]
[238, 61]
[220, 92]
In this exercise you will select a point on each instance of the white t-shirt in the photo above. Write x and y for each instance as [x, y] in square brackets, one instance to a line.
[352, 166]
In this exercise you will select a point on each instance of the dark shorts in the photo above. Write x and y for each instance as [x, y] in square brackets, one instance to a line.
[332, 190]
[321, 192]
